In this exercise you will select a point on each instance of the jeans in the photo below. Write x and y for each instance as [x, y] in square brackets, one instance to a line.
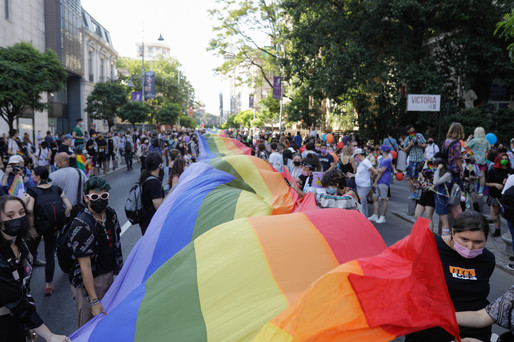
[363, 192]
[511, 229]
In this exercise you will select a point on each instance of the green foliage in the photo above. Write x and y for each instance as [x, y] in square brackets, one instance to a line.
[207, 119]
[257, 122]
[134, 112]
[26, 73]
[237, 24]
[105, 101]
[169, 113]
[244, 118]
[506, 30]
[187, 122]
[299, 109]
[230, 123]
[365, 52]
[270, 110]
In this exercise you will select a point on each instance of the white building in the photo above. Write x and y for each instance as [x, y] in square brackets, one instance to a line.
[153, 51]
[99, 61]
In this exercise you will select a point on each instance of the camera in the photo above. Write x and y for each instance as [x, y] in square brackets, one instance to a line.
[415, 143]
[16, 168]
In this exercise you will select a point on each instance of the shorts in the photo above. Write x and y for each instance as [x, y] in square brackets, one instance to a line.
[427, 199]
[381, 191]
[482, 167]
[441, 205]
[412, 172]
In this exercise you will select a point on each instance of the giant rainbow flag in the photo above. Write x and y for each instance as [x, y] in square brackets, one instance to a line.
[233, 255]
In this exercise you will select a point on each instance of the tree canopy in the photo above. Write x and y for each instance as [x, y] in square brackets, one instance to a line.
[134, 112]
[187, 122]
[105, 101]
[25, 74]
[168, 114]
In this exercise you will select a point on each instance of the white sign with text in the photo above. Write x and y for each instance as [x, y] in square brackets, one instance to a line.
[423, 103]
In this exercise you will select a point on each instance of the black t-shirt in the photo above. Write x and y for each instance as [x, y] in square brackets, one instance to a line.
[497, 176]
[325, 161]
[90, 148]
[468, 284]
[69, 150]
[53, 151]
[110, 146]
[152, 189]
[102, 147]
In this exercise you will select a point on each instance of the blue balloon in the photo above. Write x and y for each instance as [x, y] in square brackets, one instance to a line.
[491, 138]
[324, 136]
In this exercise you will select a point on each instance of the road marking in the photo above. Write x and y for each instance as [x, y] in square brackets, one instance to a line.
[125, 227]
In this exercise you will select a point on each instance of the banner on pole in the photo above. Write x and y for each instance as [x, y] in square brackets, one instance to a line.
[136, 96]
[149, 84]
[191, 111]
[250, 101]
[277, 87]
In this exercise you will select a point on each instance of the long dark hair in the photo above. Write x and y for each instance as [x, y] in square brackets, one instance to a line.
[178, 167]
[287, 155]
[471, 221]
[152, 162]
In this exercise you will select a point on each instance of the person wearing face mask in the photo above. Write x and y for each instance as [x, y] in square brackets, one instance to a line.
[363, 178]
[346, 164]
[326, 159]
[431, 149]
[296, 167]
[152, 190]
[496, 178]
[310, 164]
[96, 250]
[337, 195]
[18, 315]
[467, 267]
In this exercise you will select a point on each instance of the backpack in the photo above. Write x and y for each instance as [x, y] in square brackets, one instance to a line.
[63, 250]
[134, 204]
[507, 203]
[49, 210]
[443, 154]
[128, 147]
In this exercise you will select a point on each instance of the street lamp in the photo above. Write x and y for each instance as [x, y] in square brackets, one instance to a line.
[143, 72]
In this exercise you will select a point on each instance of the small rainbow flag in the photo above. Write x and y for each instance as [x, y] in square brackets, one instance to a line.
[82, 164]
[20, 153]
[17, 188]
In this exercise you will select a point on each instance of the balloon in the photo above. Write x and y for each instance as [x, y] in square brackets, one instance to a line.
[186, 139]
[394, 154]
[399, 176]
[491, 138]
[329, 138]
[324, 136]
[340, 144]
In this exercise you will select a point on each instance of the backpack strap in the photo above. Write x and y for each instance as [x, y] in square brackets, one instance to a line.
[79, 187]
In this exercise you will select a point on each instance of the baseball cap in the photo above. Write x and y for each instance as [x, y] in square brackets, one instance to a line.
[68, 136]
[357, 151]
[16, 159]
[385, 148]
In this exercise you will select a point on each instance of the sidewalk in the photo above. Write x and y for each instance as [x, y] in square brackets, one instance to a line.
[399, 206]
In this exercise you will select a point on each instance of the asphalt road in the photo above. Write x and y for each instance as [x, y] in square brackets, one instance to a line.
[59, 313]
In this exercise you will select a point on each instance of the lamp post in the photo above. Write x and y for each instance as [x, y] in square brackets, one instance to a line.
[143, 72]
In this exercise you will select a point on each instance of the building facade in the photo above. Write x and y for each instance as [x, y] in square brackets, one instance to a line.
[83, 46]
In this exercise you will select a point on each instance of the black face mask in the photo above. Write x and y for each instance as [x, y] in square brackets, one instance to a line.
[17, 226]
[99, 205]
[296, 163]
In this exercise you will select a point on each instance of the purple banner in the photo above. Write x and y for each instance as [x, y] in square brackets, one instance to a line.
[277, 87]
[149, 84]
[135, 96]
[250, 101]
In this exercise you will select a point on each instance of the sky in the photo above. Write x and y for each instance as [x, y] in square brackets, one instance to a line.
[185, 26]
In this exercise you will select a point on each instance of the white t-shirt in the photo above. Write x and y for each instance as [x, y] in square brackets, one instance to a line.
[13, 145]
[430, 151]
[43, 154]
[276, 160]
[363, 175]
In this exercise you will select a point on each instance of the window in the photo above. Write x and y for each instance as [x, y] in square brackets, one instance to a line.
[102, 70]
[90, 67]
[7, 9]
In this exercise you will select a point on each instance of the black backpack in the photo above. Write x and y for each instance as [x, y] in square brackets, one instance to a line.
[63, 250]
[49, 210]
[507, 203]
[128, 147]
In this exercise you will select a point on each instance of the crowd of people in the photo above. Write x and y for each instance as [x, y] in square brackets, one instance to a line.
[55, 183]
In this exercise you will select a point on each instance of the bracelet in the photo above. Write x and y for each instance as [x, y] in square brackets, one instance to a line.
[94, 302]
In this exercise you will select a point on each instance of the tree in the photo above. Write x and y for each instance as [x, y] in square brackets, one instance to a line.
[237, 25]
[373, 53]
[26, 73]
[105, 101]
[187, 122]
[506, 30]
[230, 122]
[270, 109]
[244, 118]
[134, 112]
[169, 113]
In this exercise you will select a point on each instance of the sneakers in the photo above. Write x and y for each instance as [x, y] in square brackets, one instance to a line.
[373, 218]
[49, 290]
[511, 258]
[510, 267]
[382, 219]
[39, 262]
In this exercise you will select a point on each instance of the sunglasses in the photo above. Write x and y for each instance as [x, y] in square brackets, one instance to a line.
[96, 197]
